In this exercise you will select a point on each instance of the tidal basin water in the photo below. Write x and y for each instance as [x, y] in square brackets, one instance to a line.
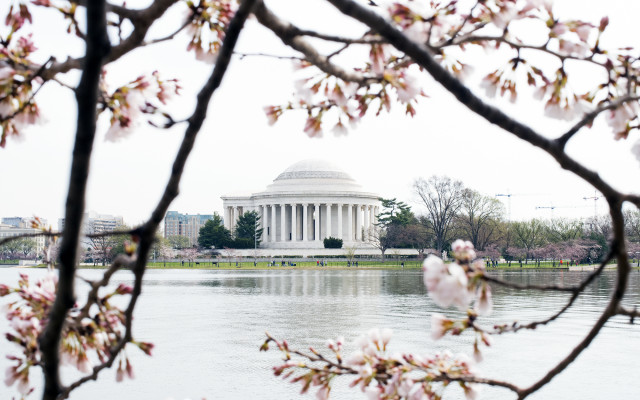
[207, 327]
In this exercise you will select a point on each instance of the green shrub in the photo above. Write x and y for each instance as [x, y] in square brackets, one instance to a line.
[332, 243]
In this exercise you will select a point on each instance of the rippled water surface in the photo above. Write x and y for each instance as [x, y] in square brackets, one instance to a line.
[208, 325]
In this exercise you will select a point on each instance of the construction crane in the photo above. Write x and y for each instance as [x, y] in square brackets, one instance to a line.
[507, 195]
[595, 199]
[547, 207]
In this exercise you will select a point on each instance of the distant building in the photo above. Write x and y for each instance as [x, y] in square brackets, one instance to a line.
[176, 224]
[96, 223]
[7, 230]
[20, 222]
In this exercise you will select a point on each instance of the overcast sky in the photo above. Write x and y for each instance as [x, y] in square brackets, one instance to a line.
[237, 151]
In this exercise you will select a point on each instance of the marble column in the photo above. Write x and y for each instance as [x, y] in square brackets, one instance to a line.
[358, 222]
[317, 221]
[234, 218]
[264, 222]
[227, 218]
[339, 221]
[328, 232]
[283, 222]
[305, 222]
[273, 223]
[372, 217]
[294, 222]
[366, 223]
[349, 222]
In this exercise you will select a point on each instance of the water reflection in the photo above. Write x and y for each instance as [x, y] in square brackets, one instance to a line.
[207, 326]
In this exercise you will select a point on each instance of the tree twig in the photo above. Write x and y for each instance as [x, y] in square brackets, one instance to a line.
[290, 35]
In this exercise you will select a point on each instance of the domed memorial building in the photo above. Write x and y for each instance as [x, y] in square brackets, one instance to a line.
[309, 201]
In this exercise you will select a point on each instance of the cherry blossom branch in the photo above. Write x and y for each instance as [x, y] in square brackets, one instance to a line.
[58, 234]
[141, 20]
[618, 248]
[519, 46]
[497, 117]
[492, 114]
[332, 38]
[97, 49]
[147, 231]
[92, 298]
[515, 327]
[588, 118]
[464, 22]
[169, 36]
[290, 35]
[482, 381]
[574, 289]
[243, 55]
[31, 97]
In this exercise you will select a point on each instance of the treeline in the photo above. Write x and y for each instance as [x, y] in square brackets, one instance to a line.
[453, 211]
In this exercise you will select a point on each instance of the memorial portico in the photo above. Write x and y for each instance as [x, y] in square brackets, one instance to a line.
[308, 202]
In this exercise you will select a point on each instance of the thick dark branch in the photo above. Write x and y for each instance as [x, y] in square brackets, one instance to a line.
[291, 36]
[147, 232]
[633, 198]
[633, 313]
[97, 49]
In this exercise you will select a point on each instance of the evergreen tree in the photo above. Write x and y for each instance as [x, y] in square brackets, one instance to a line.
[248, 227]
[213, 233]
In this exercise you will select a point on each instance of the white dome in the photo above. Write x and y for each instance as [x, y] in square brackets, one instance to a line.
[314, 176]
[313, 169]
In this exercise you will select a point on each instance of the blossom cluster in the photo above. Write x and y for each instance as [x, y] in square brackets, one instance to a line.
[207, 21]
[127, 103]
[385, 79]
[17, 87]
[378, 374]
[448, 29]
[89, 336]
[460, 282]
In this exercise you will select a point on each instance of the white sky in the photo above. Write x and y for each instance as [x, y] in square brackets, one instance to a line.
[238, 152]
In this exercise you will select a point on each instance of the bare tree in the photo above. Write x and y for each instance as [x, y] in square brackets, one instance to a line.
[442, 198]
[479, 217]
[564, 229]
[529, 235]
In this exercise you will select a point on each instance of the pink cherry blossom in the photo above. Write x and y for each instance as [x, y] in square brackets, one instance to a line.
[583, 32]
[6, 73]
[439, 325]
[484, 303]
[463, 250]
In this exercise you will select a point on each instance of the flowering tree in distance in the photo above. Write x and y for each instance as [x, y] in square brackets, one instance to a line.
[404, 40]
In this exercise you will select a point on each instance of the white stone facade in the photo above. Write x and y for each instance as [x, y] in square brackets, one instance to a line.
[309, 201]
